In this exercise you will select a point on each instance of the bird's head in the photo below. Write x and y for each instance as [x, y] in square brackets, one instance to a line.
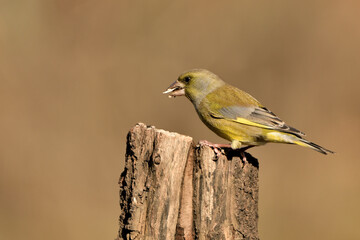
[195, 84]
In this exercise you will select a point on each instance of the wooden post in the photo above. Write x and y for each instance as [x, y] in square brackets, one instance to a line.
[172, 189]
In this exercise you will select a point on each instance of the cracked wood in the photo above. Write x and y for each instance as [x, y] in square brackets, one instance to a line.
[172, 189]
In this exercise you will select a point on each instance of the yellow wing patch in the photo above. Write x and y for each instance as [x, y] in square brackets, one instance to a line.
[250, 123]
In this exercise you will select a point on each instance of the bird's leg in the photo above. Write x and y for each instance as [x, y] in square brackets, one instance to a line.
[236, 145]
[216, 146]
[242, 152]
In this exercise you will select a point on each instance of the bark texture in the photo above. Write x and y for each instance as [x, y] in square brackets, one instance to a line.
[173, 189]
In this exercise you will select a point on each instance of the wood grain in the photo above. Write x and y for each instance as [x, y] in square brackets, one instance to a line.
[172, 189]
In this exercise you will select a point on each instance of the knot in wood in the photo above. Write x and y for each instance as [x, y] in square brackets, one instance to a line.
[157, 158]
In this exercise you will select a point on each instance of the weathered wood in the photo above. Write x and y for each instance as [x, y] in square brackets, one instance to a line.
[225, 196]
[172, 189]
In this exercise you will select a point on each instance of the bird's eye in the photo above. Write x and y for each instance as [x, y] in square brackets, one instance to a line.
[187, 79]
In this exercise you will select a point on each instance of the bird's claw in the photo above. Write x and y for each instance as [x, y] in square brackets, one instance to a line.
[218, 152]
[216, 147]
[243, 156]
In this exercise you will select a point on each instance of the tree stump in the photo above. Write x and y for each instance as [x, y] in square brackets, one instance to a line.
[173, 189]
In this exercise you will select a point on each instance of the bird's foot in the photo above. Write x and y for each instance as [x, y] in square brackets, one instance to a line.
[242, 152]
[217, 148]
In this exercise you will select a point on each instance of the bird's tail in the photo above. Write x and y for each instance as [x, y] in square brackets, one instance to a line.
[276, 136]
[306, 143]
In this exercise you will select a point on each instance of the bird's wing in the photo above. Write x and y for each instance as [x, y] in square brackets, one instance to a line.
[256, 116]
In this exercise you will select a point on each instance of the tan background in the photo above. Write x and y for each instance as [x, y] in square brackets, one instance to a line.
[75, 76]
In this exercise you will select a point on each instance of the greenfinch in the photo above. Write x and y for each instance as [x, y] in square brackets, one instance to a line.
[234, 114]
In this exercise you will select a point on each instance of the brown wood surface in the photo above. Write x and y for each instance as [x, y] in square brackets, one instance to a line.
[173, 189]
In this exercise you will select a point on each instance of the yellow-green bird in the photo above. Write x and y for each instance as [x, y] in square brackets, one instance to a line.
[234, 114]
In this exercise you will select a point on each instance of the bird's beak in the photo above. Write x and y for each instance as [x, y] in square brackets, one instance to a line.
[176, 89]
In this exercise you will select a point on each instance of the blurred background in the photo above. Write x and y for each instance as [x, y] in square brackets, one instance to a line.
[76, 75]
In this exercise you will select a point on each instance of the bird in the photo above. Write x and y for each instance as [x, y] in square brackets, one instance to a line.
[234, 114]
